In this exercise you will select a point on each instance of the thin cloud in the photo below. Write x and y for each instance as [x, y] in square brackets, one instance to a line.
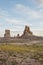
[15, 21]
[39, 3]
[3, 13]
[23, 10]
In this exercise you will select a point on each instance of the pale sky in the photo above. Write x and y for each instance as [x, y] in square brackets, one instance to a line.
[15, 14]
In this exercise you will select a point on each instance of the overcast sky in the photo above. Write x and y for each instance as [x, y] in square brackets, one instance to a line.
[15, 14]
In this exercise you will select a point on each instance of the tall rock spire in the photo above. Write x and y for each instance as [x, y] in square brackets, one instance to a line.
[26, 32]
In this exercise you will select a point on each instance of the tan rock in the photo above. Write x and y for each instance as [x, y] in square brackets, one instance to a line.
[7, 33]
[26, 32]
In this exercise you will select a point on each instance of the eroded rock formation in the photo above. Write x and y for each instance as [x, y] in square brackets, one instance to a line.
[7, 33]
[27, 32]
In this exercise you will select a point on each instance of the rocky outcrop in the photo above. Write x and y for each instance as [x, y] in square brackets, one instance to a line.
[7, 33]
[26, 32]
[24, 38]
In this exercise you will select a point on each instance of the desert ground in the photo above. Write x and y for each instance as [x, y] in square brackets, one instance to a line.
[17, 54]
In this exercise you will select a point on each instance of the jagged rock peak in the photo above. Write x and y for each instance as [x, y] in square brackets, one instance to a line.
[27, 30]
